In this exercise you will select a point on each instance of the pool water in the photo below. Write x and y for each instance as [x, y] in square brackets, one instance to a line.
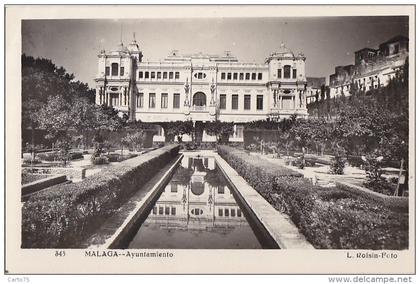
[196, 210]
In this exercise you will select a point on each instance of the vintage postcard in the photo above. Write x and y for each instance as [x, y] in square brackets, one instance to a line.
[192, 139]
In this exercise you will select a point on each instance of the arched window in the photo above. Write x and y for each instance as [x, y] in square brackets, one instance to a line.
[199, 99]
[114, 69]
[287, 72]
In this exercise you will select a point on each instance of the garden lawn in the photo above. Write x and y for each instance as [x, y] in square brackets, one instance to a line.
[330, 218]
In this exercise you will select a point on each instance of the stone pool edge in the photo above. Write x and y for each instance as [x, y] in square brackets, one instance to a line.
[278, 225]
[130, 223]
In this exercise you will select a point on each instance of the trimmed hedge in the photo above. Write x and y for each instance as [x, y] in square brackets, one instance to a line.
[253, 165]
[55, 156]
[330, 218]
[63, 216]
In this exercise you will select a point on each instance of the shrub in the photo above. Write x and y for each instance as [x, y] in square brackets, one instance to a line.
[338, 164]
[63, 216]
[48, 156]
[76, 155]
[30, 161]
[99, 160]
[381, 186]
[328, 217]
[301, 162]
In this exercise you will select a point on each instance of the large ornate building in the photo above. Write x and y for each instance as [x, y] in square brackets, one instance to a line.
[372, 68]
[201, 87]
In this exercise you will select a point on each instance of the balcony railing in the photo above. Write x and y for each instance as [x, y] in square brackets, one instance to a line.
[199, 108]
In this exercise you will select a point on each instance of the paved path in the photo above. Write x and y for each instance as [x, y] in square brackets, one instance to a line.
[320, 174]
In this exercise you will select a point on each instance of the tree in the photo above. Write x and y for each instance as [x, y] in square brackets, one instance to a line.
[221, 130]
[135, 140]
[86, 117]
[173, 129]
[55, 117]
[42, 80]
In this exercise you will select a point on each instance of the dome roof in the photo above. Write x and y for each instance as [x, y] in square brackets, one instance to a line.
[120, 48]
[284, 51]
[133, 46]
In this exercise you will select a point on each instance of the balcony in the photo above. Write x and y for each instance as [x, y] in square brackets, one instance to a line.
[199, 108]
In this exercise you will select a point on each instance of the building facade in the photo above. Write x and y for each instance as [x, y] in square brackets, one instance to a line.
[201, 87]
[314, 88]
[373, 68]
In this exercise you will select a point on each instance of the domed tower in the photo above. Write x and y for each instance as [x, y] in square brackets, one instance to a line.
[286, 83]
[115, 81]
[134, 49]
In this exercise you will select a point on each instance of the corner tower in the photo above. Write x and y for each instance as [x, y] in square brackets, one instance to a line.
[286, 83]
[115, 80]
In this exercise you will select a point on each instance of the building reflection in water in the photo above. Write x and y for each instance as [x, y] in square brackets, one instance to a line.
[196, 210]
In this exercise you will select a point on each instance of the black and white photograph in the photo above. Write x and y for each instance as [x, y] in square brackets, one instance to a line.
[257, 135]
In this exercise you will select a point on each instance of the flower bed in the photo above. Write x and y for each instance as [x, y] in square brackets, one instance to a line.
[328, 217]
[62, 216]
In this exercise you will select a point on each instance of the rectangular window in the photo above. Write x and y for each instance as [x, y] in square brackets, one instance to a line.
[287, 72]
[234, 101]
[223, 76]
[232, 212]
[259, 76]
[146, 75]
[235, 76]
[141, 75]
[121, 71]
[165, 75]
[160, 210]
[152, 75]
[220, 212]
[279, 73]
[260, 102]
[107, 70]
[114, 69]
[173, 210]
[176, 75]
[152, 100]
[166, 210]
[176, 100]
[159, 75]
[247, 102]
[239, 212]
[226, 212]
[247, 76]
[229, 76]
[254, 76]
[164, 101]
[222, 101]
[171, 75]
[294, 73]
[220, 189]
[241, 76]
[154, 210]
[174, 187]
[140, 99]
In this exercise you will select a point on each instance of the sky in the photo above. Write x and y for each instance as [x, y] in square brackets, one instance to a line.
[326, 41]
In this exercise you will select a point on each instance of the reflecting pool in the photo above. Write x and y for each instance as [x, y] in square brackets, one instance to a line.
[197, 210]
